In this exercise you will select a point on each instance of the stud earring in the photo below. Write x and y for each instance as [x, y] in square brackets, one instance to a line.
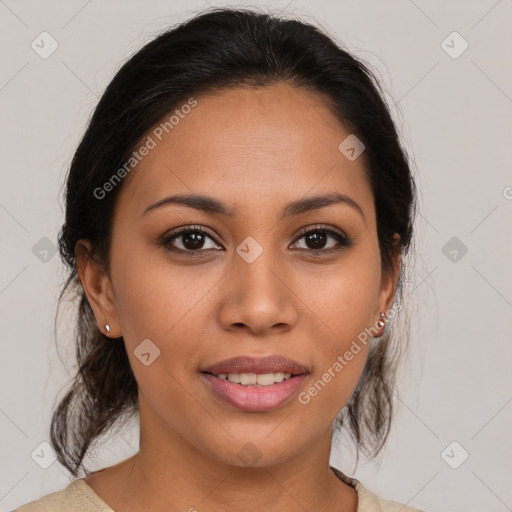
[107, 328]
[382, 322]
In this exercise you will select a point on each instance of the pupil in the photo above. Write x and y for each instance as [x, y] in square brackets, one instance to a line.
[193, 240]
[317, 239]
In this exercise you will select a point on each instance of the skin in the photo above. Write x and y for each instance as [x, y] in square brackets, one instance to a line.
[255, 150]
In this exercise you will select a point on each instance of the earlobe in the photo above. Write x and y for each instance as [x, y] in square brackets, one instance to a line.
[98, 289]
[389, 285]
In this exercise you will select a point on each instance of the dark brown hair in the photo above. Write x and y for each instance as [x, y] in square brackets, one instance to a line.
[215, 50]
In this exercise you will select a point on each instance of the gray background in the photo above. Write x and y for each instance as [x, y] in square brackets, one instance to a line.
[455, 116]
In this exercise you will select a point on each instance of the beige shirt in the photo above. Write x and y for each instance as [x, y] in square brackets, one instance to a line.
[79, 497]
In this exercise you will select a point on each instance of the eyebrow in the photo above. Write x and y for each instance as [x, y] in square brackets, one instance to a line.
[214, 206]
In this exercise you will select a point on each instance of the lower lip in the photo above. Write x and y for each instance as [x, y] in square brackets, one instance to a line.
[252, 398]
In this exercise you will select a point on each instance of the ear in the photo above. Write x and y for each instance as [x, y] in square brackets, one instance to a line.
[389, 283]
[98, 288]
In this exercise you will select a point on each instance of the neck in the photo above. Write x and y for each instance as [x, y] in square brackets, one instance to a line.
[169, 473]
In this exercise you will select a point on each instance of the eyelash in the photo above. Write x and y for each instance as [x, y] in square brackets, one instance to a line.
[343, 240]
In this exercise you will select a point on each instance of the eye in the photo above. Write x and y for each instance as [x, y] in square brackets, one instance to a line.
[317, 237]
[194, 239]
[189, 239]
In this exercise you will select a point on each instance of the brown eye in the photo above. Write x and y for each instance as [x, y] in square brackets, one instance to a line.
[316, 240]
[191, 239]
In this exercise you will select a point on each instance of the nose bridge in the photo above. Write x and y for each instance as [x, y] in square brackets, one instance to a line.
[257, 297]
[256, 267]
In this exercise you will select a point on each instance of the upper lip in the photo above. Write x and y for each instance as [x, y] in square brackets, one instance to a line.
[258, 365]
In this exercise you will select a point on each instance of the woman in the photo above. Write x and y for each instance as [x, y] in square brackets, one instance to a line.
[237, 217]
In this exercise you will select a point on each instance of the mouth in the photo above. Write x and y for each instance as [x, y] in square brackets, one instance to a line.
[255, 384]
[254, 397]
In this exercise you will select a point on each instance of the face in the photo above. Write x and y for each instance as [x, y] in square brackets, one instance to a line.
[261, 272]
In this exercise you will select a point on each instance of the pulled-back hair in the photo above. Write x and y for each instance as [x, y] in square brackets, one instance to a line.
[215, 50]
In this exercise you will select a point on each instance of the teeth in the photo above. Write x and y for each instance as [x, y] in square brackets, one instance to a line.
[252, 379]
[248, 379]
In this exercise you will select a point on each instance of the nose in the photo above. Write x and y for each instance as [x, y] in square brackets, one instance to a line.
[257, 297]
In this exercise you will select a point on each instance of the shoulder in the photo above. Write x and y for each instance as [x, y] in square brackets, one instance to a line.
[76, 497]
[370, 502]
[56, 501]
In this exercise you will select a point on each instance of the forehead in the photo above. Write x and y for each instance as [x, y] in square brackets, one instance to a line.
[246, 143]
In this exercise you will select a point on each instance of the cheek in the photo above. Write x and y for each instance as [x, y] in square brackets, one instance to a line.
[155, 298]
[345, 296]
[329, 389]
[162, 303]
[345, 301]
[158, 302]
[341, 350]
